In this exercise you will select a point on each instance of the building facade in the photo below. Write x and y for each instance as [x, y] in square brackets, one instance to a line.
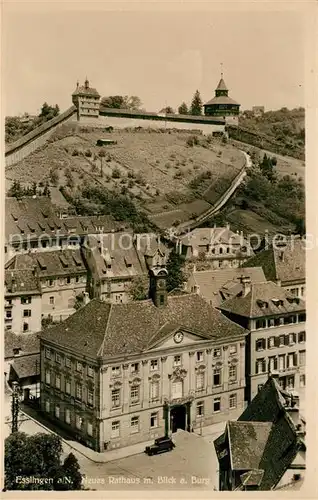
[118, 374]
[22, 301]
[62, 277]
[277, 338]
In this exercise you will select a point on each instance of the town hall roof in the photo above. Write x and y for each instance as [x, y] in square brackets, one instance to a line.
[108, 330]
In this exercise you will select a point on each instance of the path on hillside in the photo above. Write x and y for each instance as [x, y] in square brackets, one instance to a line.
[189, 225]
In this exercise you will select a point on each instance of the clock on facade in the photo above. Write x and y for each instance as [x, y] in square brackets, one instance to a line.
[178, 337]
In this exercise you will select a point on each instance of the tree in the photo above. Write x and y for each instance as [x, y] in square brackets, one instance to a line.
[183, 109]
[175, 276]
[132, 102]
[48, 112]
[300, 227]
[138, 289]
[16, 190]
[39, 456]
[196, 104]
[168, 110]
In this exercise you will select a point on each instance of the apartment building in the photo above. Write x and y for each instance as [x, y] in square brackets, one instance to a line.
[284, 263]
[277, 339]
[219, 245]
[62, 277]
[116, 260]
[22, 301]
[117, 374]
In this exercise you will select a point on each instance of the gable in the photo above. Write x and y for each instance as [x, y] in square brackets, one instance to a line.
[171, 339]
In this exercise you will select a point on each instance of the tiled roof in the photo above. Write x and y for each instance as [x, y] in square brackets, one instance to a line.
[115, 329]
[264, 437]
[212, 235]
[221, 85]
[17, 281]
[86, 91]
[28, 343]
[161, 117]
[222, 99]
[54, 263]
[263, 300]
[247, 443]
[34, 217]
[286, 264]
[26, 366]
[212, 282]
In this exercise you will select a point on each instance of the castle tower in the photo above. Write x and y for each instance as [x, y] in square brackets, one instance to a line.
[222, 105]
[87, 100]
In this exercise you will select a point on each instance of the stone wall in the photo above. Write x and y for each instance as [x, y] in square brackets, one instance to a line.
[21, 148]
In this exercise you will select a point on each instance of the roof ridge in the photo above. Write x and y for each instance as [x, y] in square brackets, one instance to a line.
[101, 349]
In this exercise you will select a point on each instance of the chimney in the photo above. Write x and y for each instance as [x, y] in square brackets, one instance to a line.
[247, 285]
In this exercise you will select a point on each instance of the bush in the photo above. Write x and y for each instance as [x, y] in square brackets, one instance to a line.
[168, 164]
[75, 152]
[102, 153]
[192, 141]
[116, 173]
[88, 153]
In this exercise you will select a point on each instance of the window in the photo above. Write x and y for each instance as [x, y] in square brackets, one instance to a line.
[78, 392]
[292, 338]
[47, 406]
[134, 424]
[115, 429]
[217, 376]
[301, 337]
[232, 401]
[115, 371]
[78, 422]
[177, 361]
[52, 300]
[8, 314]
[200, 409]
[115, 398]
[68, 362]
[90, 371]
[281, 362]
[57, 411]
[68, 386]
[260, 366]
[302, 380]
[301, 318]
[281, 340]
[79, 366]
[154, 420]
[271, 342]
[76, 279]
[26, 300]
[134, 394]
[291, 360]
[154, 365]
[200, 381]
[47, 377]
[58, 358]
[26, 313]
[217, 353]
[232, 373]
[89, 428]
[260, 323]
[199, 356]
[135, 368]
[154, 391]
[271, 322]
[290, 382]
[68, 280]
[260, 344]
[57, 381]
[272, 363]
[90, 397]
[50, 282]
[216, 405]
[177, 389]
[47, 353]
[302, 358]
[25, 327]
[68, 416]
[233, 349]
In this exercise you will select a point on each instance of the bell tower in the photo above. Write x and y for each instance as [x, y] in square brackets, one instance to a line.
[158, 287]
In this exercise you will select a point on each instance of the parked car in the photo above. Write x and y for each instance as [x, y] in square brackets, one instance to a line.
[161, 445]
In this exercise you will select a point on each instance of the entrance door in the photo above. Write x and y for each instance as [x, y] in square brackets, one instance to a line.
[178, 418]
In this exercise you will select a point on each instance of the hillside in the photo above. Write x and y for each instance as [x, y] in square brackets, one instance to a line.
[284, 127]
[160, 171]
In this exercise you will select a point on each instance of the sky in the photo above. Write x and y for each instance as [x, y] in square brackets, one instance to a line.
[160, 56]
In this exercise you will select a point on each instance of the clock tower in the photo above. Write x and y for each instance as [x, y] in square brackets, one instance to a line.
[158, 290]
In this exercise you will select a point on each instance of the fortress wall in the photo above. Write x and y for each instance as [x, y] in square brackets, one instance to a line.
[30, 142]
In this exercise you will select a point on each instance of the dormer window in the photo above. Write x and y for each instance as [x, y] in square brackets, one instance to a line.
[262, 304]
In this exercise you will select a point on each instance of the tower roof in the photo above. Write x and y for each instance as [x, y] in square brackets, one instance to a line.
[221, 85]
